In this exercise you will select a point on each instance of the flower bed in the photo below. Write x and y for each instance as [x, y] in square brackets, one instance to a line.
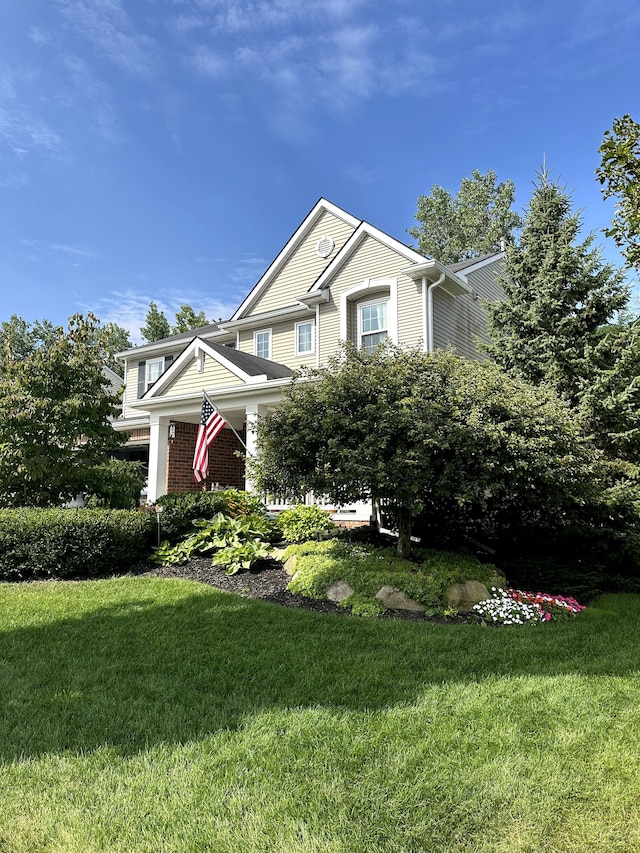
[515, 607]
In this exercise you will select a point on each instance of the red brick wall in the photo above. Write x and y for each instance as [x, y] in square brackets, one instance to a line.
[224, 467]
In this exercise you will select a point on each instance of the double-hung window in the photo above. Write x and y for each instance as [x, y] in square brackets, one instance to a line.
[262, 343]
[373, 324]
[154, 368]
[304, 337]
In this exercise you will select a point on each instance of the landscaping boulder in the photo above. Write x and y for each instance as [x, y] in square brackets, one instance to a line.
[462, 596]
[290, 565]
[395, 599]
[338, 591]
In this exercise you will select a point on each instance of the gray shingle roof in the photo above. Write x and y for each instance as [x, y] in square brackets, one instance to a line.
[252, 364]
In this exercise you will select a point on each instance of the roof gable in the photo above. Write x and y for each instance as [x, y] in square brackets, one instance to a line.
[300, 258]
[230, 367]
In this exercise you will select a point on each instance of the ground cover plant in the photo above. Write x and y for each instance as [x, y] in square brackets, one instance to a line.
[147, 715]
[317, 565]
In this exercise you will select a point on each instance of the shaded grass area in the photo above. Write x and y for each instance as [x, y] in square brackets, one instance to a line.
[155, 715]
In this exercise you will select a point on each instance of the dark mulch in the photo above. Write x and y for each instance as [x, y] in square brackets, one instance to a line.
[268, 582]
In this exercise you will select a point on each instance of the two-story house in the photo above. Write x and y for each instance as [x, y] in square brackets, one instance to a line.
[338, 278]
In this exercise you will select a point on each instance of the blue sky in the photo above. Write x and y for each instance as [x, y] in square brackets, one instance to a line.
[167, 149]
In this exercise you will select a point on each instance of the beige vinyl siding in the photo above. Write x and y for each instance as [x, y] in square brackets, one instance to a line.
[458, 322]
[189, 381]
[371, 259]
[304, 266]
[283, 343]
[462, 322]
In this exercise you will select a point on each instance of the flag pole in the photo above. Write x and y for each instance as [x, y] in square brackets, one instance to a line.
[215, 408]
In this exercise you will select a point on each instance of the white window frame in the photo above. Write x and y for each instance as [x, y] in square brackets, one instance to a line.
[382, 288]
[312, 348]
[148, 382]
[255, 342]
[382, 300]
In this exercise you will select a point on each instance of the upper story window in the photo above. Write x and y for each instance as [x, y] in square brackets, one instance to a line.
[373, 324]
[154, 369]
[262, 343]
[304, 337]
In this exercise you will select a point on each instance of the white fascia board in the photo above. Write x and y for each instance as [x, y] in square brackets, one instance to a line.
[453, 283]
[265, 317]
[364, 230]
[184, 358]
[320, 207]
[483, 263]
[128, 424]
[230, 391]
[166, 346]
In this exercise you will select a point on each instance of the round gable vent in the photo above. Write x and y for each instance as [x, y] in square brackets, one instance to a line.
[325, 247]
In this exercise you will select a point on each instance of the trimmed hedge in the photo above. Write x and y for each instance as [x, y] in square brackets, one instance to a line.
[180, 509]
[65, 543]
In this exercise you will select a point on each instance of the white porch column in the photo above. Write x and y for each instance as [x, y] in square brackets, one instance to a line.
[158, 451]
[252, 411]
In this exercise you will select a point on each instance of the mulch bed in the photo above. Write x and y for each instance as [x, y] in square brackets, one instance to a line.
[268, 582]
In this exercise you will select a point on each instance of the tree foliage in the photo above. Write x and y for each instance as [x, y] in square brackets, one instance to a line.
[187, 319]
[416, 431]
[54, 418]
[156, 326]
[19, 339]
[557, 323]
[619, 174]
[472, 223]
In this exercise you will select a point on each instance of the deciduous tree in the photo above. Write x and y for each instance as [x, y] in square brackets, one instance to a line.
[619, 174]
[54, 418]
[413, 431]
[472, 223]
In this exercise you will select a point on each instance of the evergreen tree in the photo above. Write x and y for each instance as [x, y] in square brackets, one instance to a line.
[556, 325]
[156, 325]
[470, 224]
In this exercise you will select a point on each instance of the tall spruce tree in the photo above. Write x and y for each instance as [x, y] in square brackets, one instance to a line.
[557, 325]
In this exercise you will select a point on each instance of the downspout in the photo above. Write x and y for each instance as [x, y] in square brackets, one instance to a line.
[317, 335]
[427, 293]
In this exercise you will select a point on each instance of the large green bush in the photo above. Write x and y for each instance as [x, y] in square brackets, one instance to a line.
[64, 543]
[367, 569]
[181, 509]
[301, 523]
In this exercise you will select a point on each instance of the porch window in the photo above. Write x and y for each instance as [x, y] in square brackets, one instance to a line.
[373, 324]
[262, 343]
[304, 337]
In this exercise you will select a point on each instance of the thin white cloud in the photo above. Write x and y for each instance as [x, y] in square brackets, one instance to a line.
[108, 28]
[43, 250]
[128, 308]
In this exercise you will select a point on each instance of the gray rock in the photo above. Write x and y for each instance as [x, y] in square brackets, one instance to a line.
[462, 596]
[338, 591]
[290, 565]
[395, 599]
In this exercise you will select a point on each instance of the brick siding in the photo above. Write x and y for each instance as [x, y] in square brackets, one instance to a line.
[225, 468]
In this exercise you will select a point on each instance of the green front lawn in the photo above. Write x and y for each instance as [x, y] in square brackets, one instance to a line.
[161, 716]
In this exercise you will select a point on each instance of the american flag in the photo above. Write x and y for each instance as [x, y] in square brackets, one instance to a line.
[211, 422]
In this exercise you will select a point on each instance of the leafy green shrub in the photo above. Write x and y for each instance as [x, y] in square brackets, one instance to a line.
[302, 523]
[236, 542]
[117, 484]
[367, 569]
[64, 543]
[181, 509]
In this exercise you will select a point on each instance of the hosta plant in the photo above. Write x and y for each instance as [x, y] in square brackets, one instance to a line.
[236, 542]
